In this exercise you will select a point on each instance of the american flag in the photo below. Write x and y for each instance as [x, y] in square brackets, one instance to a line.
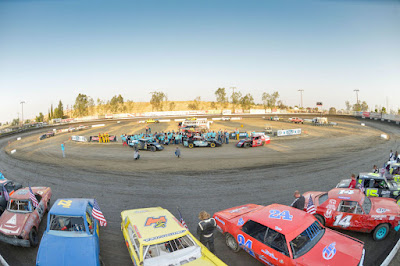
[97, 214]
[33, 198]
[5, 193]
[181, 219]
[361, 187]
[311, 206]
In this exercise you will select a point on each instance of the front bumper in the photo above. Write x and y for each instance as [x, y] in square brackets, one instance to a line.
[15, 241]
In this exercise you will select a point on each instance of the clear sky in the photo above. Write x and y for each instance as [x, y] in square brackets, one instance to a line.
[55, 49]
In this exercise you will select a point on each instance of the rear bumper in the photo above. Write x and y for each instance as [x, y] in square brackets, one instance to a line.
[15, 241]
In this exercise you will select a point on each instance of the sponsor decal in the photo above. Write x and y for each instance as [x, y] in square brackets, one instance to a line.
[329, 251]
[240, 222]
[328, 213]
[269, 254]
[382, 210]
[219, 220]
[159, 222]
[284, 215]
[238, 209]
[281, 261]
[332, 202]
[349, 192]
[141, 211]
[247, 245]
[137, 231]
[261, 257]
[278, 228]
[331, 207]
[391, 218]
[22, 192]
[162, 236]
[378, 217]
[341, 197]
[12, 220]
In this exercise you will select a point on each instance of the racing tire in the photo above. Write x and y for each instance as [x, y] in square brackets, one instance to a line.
[212, 145]
[380, 232]
[232, 243]
[33, 237]
[153, 149]
[190, 145]
[320, 219]
[48, 206]
[398, 200]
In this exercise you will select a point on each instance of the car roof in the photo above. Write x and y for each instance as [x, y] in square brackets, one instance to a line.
[346, 194]
[371, 175]
[145, 220]
[23, 193]
[299, 220]
[77, 206]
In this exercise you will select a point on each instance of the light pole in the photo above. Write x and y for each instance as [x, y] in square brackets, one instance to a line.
[357, 90]
[22, 118]
[301, 98]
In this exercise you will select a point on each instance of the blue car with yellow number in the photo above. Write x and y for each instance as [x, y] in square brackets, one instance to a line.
[71, 236]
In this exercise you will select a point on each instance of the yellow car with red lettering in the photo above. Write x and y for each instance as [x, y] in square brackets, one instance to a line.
[154, 236]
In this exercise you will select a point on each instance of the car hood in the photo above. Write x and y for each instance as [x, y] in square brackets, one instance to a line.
[334, 249]
[60, 250]
[12, 223]
[384, 206]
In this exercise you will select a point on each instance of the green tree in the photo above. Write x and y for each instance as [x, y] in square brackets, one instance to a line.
[357, 107]
[269, 100]
[40, 117]
[383, 111]
[235, 98]
[116, 103]
[59, 111]
[51, 112]
[213, 105]
[332, 111]
[348, 105]
[364, 106]
[247, 101]
[195, 105]
[157, 100]
[81, 105]
[15, 122]
[222, 99]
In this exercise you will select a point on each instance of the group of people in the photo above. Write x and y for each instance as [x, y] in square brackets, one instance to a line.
[394, 156]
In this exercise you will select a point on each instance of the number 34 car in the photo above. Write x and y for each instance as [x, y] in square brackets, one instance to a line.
[282, 235]
[350, 209]
[71, 236]
[154, 236]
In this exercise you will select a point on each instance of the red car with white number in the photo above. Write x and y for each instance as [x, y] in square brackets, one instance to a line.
[255, 140]
[350, 209]
[282, 235]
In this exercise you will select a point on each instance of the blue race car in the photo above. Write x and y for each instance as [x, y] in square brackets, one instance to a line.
[71, 236]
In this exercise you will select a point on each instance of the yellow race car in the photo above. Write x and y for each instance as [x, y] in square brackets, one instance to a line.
[191, 118]
[151, 121]
[154, 236]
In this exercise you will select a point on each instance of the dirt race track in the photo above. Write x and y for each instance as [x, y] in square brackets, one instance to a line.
[204, 178]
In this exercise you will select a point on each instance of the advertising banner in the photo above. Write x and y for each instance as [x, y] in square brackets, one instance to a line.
[289, 132]
[79, 138]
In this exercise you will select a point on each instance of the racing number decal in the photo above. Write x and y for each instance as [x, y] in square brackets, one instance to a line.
[345, 222]
[372, 192]
[276, 214]
[65, 203]
[246, 245]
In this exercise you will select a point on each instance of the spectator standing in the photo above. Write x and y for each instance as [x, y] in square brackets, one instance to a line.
[226, 137]
[136, 155]
[178, 152]
[63, 150]
[205, 230]
[299, 201]
[353, 182]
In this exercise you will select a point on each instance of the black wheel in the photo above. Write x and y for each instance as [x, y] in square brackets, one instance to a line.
[380, 232]
[153, 149]
[48, 206]
[320, 219]
[232, 243]
[33, 237]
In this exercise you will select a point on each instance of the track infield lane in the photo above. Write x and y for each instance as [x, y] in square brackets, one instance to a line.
[210, 191]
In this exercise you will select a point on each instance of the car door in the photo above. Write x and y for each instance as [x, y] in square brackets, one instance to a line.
[349, 216]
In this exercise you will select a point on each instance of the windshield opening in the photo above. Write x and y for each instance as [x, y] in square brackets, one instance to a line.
[168, 247]
[307, 239]
[67, 223]
[20, 205]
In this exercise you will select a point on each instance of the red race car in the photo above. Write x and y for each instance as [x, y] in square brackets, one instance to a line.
[282, 235]
[255, 140]
[350, 209]
[19, 223]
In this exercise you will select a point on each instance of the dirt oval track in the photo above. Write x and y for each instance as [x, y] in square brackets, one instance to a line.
[204, 178]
